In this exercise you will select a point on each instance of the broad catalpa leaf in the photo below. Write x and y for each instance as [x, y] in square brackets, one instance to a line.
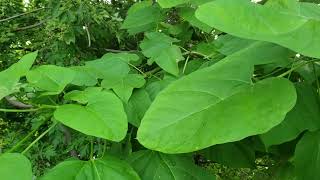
[306, 157]
[50, 78]
[15, 166]
[218, 104]
[142, 17]
[107, 167]
[188, 14]
[304, 116]
[11, 76]
[103, 115]
[152, 165]
[112, 65]
[83, 76]
[160, 49]
[282, 25]
[124, 87]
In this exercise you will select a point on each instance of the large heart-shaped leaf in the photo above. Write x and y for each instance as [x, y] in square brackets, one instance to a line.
[152, 165]
[106, 168]
[160, 49]
[171, 3]
[306, 157]
[11, 76]
[102, 116]
[15, 166]
[50, 78]
[293, 29]
[304, 116]
[218, 104]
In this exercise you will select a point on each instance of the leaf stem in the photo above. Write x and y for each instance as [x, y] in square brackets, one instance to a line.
[27, 137]
[185, 65]
[91, 148]
[41, 135]
[135, 67]
[29, 110]
[296, 67]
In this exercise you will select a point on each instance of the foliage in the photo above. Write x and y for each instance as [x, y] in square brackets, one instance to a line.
[150, 90]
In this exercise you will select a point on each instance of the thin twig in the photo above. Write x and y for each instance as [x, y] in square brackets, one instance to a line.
[22, 14]
[31, 26]
[88, 35]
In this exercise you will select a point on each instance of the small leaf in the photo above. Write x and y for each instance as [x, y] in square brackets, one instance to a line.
[306, 157]
[124, 87]
[188, 14]
[15, 166]
[99, 169]
[103, 116]
[112, 66]
[152, 165]
[141, 17]
[11, 76]
[159, 48]
[50, 78]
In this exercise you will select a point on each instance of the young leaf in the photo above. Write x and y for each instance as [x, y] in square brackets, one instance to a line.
[159, 48]
[112, 66]
[103, 116]
[152, 165]
[15, 166]
[11, 76]
[266, 23]
[217, 105]
[304, 116]
[306, 156]
[124, 87]
[50, 78]
[142, 16]
[188, 14]
[106, 168]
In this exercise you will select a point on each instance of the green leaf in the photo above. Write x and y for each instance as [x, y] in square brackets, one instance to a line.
[234, 155]
[15, 166]
[283, 26]
[306, 157]
[171, 3]
[103, 116]
[112, 66]
[218, 104]
[83, 76]
[188, 14]
[228, 44]
[159, 48]
[11, 76]
[50, 78]
[124, 87]
[106, 168]
[137, 106]
[141, 17]
[152, 165]
[304, 116]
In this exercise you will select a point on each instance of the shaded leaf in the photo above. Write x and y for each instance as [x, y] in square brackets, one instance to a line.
[152, 165]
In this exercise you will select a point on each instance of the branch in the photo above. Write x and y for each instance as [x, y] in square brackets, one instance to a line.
[13, 101]
[31, 26]
[22, 14]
